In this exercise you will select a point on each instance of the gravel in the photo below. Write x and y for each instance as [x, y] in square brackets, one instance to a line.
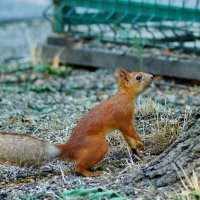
[52, 115]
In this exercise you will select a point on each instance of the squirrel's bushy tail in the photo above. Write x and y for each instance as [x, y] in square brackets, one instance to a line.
[24, 150]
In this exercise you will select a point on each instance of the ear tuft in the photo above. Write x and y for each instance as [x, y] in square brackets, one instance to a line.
[123, 75]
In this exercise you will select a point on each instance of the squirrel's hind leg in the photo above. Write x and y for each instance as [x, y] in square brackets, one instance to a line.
[93, 152]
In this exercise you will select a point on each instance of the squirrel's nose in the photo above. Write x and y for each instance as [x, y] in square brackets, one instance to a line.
[151, 77]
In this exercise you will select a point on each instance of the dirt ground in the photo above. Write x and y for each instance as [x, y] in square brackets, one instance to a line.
[48, 102]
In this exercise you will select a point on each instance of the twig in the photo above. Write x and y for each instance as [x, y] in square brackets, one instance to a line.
[62, 173]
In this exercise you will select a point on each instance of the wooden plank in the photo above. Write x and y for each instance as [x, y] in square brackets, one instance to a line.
[188, 69]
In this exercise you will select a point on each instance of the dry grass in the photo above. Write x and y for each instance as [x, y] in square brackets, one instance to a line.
[147, 107]
[36, 56]
[162, 138]
[35, 51]
[190, 188]
[164, 125]
[56, 58]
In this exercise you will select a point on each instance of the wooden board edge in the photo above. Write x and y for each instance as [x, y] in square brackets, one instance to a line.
[188, 69]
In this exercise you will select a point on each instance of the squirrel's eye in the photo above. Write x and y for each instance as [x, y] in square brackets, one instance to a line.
[138, 78]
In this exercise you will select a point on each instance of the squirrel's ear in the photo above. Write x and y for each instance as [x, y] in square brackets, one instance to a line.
[123, 75]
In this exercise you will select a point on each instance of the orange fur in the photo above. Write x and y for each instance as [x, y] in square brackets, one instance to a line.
[87, 145]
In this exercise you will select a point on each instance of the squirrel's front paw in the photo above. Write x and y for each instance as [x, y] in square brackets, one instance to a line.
[139, 145]
[137, 153]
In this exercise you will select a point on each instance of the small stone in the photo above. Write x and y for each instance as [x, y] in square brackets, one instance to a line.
[129, 191]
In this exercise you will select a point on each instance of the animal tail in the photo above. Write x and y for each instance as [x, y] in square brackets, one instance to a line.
[22, 150]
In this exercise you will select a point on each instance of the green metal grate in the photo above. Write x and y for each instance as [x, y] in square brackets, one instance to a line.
[171, 23]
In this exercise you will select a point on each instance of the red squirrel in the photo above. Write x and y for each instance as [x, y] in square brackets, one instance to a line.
[86, 145]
